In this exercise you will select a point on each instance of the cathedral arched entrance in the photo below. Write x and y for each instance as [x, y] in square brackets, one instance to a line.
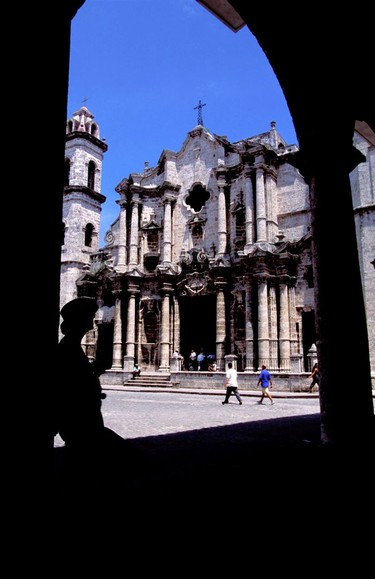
[197, 325]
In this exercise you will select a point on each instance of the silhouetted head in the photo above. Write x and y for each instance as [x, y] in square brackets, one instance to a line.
[78, 315]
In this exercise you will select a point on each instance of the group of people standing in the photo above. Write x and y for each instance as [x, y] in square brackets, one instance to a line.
[201, 362]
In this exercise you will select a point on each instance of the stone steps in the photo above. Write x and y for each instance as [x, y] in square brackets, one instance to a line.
[145, 380]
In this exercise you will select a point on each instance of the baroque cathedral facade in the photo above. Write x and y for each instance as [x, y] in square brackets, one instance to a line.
[211, 251]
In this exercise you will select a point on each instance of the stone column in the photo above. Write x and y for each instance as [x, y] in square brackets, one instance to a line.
[220, 325]
[249, 338]
[165, 345]
[293, 318]
[121, 257]
[249, 210]
[273, 328]
[134, 233]
[130, 329]
[263, 322]
[260, 202]
[117, 334]
[284, 340]
[167, 236]
[177, 324]
[271, 205]
[221, 214]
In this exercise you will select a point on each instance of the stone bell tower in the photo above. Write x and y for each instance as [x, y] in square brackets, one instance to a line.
[82, 199]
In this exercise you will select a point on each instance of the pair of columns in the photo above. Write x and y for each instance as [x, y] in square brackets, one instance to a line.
[122, 262]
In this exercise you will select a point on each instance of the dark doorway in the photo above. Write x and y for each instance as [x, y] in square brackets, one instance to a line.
[197, 325]
[308, 335]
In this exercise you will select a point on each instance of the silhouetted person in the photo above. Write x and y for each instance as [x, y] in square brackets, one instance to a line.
[91, 448]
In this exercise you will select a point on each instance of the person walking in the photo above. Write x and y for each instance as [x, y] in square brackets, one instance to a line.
[265, 382]
[231, 384]
[315, 377]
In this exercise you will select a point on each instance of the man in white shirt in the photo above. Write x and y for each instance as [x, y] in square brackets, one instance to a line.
[231, 384]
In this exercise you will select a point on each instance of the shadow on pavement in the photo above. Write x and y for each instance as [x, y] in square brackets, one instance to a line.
[265, 460]
[177, 491]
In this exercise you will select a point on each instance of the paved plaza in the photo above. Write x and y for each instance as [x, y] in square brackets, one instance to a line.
[139, 413]
[134, 414]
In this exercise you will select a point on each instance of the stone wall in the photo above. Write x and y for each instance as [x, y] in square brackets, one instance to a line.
[216, 380]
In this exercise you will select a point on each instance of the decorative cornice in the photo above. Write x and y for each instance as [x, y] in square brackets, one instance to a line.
[87, 137]
[82, 189]
[169, 187]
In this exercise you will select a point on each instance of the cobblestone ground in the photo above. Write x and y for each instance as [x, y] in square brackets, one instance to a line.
[148, 414]
[142, 414]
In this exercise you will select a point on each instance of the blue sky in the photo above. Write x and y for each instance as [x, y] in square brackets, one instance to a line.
[143, 65]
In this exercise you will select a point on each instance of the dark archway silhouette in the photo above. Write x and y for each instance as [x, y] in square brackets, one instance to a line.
[327, 84]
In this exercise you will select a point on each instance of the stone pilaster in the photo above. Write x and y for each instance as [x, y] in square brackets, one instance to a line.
[249, 210]
[221, 215]
[130, 329]
[176, 324]
[165, 328]
[249, 329]
[263, 322]
[117, 334]
[271, 204]
[273, 363]
[220, 325]
[122, 257]
[167, 237]
[260, 202]
[284, 330]
[134, 233]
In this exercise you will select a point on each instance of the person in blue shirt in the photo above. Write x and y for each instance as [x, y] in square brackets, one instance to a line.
[265, 382]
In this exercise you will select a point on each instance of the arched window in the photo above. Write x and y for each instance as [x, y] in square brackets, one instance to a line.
[91, 175]
[89, 229]
[63, 228]
[67, 172]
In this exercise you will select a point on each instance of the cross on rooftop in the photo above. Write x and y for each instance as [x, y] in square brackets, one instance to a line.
[200, 116]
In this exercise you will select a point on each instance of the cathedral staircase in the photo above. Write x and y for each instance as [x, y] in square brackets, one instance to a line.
[150, 380]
